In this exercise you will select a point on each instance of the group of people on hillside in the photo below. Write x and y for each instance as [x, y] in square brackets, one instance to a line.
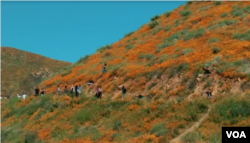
[77, 89]
[37, 91]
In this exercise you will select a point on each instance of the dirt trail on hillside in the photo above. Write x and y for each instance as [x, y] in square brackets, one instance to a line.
[195, 125]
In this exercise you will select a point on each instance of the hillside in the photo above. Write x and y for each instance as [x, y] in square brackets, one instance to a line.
[21, 71]
[172, 61]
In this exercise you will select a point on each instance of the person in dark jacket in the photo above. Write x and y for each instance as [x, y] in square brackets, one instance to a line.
[37, 91]
[104, 68]
[66, 89]
[124, 91]
[209, 93]
[76, 88]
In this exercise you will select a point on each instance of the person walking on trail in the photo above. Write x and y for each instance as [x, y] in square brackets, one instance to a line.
[98, 93]
[37, 91]
[79, 89]
[72, 90]
[104, 68]
[42, 92]
[58, 90]
[209, 93]
[76, 90]
[65, 89]
[124, 90]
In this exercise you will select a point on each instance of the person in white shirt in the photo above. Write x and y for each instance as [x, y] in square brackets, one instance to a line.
[58, 90]
[24, 96]
[18, 96]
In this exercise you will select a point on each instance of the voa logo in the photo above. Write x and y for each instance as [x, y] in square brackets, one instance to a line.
[236, 134]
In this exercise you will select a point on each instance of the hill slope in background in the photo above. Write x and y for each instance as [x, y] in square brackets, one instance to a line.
[21, 71]
[172, 61]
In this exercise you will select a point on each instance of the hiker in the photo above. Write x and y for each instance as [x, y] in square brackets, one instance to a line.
[209, 93]
[58, 90]
[42, 92]
[98, 92]
[72, 90]
[76, 90]
[37, 91]
[65, 89]
[104, 68]
[124, 90]
[24, 96]
[90, 82]
[79, 89]
[18, 96]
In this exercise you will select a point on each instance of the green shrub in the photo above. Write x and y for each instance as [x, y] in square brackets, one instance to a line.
[65, 73]
[185, 13]
[153, 24]
[174, 37]
[183, 66]
[186, 51]
[83, 59]
[223, 23]
[117, 125]
[194, 34]
[247, 9]
[217, 2]
[230, 110]
[224, 14]
[159, 129]
[230, 22]
[155, 17]
[243, 16]
[91, 131]
[190, 137]
[236, 11]
[84, 115]
[149, 56]
[213, 40]
[152, 85]
[167, 14]
[156, 30]
[167, 28]
[243, 36]
[130, 33]
[129, 46]
[195, 108]
[30, 137]
[104, 48]
[215, 50]
[165, 45]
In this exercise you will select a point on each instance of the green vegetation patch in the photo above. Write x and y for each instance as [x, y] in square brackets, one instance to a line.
[153, 24]
[236, 11]
[159, 129]
[185, 13]
[194, 34]
[242, 36]
[230, 110]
